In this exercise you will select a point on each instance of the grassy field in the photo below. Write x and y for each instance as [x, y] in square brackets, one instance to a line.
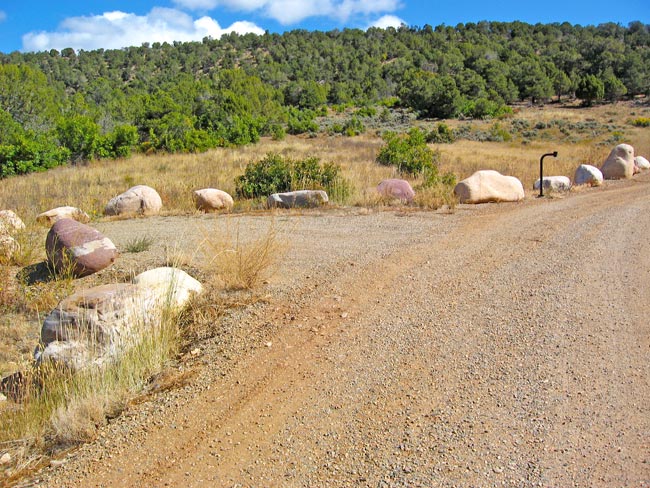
[511, 146]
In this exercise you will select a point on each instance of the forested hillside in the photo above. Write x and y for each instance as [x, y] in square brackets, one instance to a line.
[59, 107]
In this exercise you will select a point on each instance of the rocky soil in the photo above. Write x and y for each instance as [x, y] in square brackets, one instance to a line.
[499, 345]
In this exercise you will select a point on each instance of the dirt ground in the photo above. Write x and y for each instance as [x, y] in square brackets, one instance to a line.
[499, 345]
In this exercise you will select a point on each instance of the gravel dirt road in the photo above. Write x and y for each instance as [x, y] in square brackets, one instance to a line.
[501, 345]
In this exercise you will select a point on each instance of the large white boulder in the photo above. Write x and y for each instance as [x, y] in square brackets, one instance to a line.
[172, 287]
[53, 215]
[620, 163]
[587, 174]
[555, 183]
[210, 199]
[642, 163]
[489, 186]
[300, 198]
[140, 199]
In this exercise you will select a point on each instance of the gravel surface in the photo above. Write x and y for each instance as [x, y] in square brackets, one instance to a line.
[501, 345]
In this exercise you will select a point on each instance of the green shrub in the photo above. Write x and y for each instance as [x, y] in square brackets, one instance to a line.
[275, 173]
[28, 154]
[408, 152]
[278, 132]
[498, 133]
[353, 127]
[482, 108]
[441, 133]
[301, 121]
[366, 112]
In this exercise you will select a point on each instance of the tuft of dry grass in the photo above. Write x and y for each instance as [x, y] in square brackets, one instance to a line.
[241, 264]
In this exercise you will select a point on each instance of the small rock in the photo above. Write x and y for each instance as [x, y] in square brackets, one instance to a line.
[497, 469]
[268, 344]
[3, 398]
[5, 459]
[195, 352]
[344, 315]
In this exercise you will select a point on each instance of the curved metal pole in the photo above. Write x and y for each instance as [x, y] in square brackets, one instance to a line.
[541, 171]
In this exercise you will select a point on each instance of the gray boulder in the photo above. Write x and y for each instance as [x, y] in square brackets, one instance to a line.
[587, 174]
[396, 188]
[140, 199]
[620, 163]
[300, 198]
[555, 183]
[78, 248]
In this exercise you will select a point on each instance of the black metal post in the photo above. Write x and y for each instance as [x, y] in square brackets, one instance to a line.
[541, 171]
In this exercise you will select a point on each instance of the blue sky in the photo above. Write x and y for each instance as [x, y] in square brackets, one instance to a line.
[38, 25]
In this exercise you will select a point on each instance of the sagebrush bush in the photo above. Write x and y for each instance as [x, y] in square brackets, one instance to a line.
[276, 173]
[408, 152]
[441, 133]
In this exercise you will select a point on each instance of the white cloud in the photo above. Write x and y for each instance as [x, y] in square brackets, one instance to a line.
[387, 21]
[293, 11]
[3, 16]
[113, 30]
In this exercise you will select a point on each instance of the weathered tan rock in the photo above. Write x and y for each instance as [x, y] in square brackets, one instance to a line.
[587, 174]
[555, 183]
[489, 186]
[93, 326]
[10, 222]
[641, 163]
[78, 248]
[8, 246]
[396, 188]
[53, 215]
[300, 198]
[619, 164]
[210, 199]
[140, 199]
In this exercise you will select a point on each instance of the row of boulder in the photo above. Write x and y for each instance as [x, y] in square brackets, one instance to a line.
[96, 325]
[491, 186]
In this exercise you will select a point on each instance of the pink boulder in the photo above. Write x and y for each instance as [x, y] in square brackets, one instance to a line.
[78, 248]
[396, 188]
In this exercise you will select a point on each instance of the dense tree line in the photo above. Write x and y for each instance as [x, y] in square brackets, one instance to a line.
[72, 106]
